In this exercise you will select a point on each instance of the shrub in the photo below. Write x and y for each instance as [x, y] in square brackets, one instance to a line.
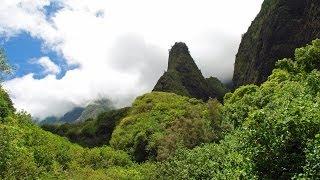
[159, 122]
[311, 170]
[212, 161]
[27, 151]
[280, 117]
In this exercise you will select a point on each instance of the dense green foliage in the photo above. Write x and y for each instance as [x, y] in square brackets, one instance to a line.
[280, 117]
[93, 132]
[28, 152]
[312, 166]
[212, 161]
[276, 128]
[159, 123]
[6, 106]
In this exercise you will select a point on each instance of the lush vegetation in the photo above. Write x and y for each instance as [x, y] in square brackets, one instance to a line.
[270, 131]
[92, 132]
[159, 123]
[275, 128]
[28, 152]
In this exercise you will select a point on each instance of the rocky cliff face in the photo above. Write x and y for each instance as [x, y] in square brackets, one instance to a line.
[183, 77]
[280, 28]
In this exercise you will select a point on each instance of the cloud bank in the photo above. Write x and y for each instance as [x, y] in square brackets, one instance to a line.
[119, 46]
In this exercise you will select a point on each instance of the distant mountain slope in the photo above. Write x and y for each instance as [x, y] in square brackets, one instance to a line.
[72, 115]
[183, 77]
[50, 120]
[80, 114]
[68, 117]
[217, 86]
[279, 28]
[95, 108]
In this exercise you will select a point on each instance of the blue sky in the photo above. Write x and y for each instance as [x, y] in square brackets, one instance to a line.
[52, 8]
[23, 49]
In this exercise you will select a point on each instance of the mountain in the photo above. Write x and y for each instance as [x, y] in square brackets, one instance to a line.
[183, 77]
[50, 120]
[280, 27]
[72, 115]
[92, 110]
[68, 117]
[80, 114]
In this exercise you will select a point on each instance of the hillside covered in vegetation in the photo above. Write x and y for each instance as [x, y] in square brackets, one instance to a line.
[279, 28]
[271, 131]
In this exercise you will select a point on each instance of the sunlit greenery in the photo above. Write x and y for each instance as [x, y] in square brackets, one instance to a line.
[159, 123]
[280, 117]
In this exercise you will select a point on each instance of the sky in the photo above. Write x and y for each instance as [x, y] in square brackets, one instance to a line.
[67, 53]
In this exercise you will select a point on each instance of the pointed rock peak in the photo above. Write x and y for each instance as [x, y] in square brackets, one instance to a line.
[179, 48]
[180, 58]
[183, 76]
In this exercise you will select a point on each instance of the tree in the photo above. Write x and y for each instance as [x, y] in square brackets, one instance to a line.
[5, 67]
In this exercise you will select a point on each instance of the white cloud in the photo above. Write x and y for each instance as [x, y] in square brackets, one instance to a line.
[48, 66]
[121, 46]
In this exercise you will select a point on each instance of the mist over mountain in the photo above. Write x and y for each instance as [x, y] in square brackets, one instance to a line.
[81, 114]
[69, 117]
[94, 108]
